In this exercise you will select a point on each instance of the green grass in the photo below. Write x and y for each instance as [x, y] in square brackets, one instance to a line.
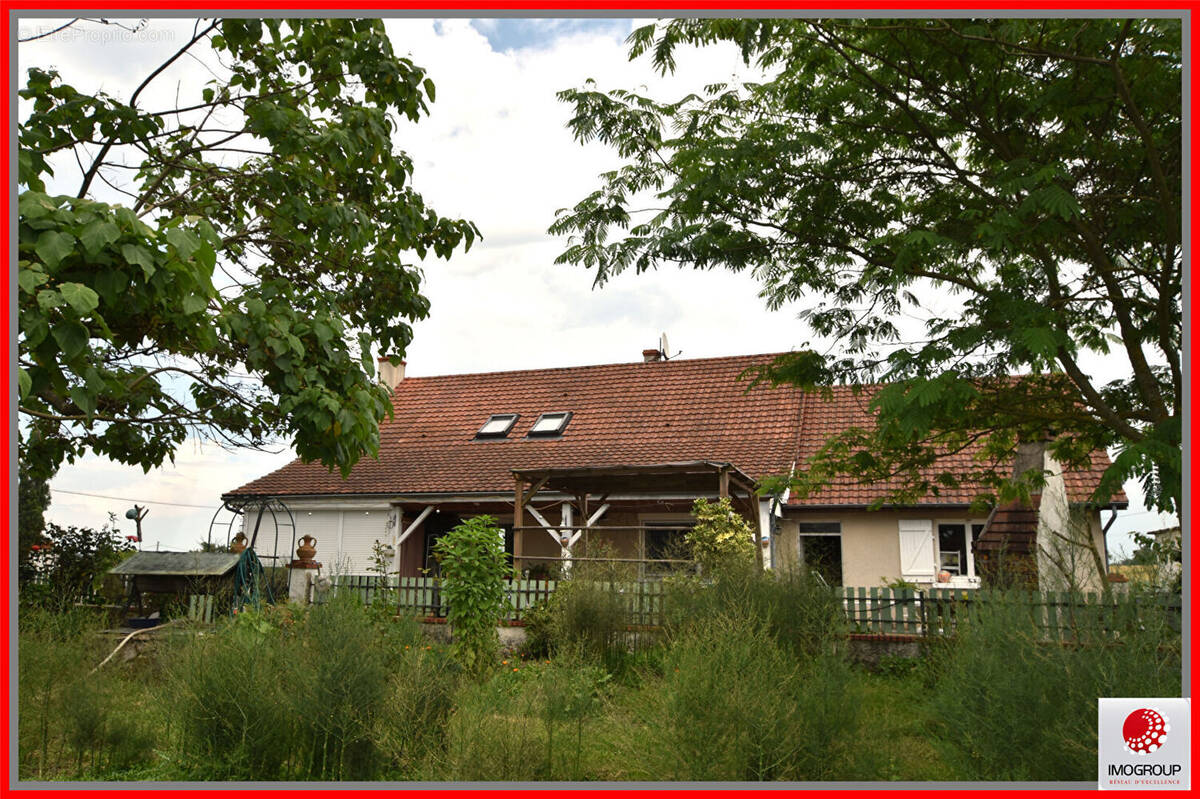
[899, 731]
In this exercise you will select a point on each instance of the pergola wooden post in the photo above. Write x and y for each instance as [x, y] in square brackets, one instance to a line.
[518, 522]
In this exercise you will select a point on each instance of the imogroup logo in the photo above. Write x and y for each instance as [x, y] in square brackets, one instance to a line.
[1145, 730]
[1145, 743]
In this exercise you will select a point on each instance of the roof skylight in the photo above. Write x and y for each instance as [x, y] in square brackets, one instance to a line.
[550, 424]
[497, 425]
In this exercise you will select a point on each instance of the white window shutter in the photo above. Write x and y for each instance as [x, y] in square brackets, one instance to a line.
[916, 549]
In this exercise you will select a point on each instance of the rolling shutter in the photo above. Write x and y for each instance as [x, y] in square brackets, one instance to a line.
[916, 549]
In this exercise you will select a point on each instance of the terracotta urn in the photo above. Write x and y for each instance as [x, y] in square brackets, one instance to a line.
[239, 543]
[943, 577]
[307, 549]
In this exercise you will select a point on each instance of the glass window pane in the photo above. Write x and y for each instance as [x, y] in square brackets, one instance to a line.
[547, 423]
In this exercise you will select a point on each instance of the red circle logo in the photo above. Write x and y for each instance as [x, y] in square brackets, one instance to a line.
[1145, 730]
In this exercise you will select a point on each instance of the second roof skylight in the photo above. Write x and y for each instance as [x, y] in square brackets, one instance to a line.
[550, 424]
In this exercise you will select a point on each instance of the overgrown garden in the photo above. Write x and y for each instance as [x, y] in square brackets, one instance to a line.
[749, 678]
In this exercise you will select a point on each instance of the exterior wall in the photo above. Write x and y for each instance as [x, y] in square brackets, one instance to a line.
[1072, 555]
[870, 539]
[870, 543]
[345, 533]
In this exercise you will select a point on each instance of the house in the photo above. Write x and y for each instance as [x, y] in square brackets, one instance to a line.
[616, 454]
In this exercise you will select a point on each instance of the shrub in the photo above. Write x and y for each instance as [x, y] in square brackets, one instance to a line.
[722, 538]
[72, 722]
[732, 704]
[799, 612]
[71, 561]
[473, 569]
[418, 711]
[587, 614]
[1014, 704]
[281, 694]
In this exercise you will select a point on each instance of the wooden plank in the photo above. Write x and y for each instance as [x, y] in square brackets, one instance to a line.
[862, 610]
[874, 612]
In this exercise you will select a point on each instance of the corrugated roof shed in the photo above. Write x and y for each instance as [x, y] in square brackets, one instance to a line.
[178, 564]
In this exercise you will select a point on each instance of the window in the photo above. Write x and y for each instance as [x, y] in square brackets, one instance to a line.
[664, 541]
[952, 547]
[820, 550]
[956, 547]
[497, 425]
[550, 424]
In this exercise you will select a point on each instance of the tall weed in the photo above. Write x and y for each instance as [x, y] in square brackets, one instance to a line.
[1013, 703]
[530, 723]
[733, 704]
[798, 612]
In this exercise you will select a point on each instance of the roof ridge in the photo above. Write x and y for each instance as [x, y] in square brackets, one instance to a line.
[614, 364]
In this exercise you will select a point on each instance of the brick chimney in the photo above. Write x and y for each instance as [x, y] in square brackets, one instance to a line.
[391, 375]
[652, 356]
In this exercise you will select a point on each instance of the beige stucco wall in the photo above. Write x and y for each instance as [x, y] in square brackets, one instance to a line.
[871, 540]
[870, 543]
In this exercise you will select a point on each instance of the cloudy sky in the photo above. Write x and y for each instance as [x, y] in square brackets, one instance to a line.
[495, 150]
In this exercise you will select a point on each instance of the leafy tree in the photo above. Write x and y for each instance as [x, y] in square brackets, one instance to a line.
[262, 243]
[1025, 173]
[73, 559]
[33, 498]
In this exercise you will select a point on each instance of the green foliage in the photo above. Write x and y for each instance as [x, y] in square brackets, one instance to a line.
[70, 562]
[734, 705]
[473, 569]
[1164, 554]
[289, 262]
[526, 722]
[801, 614]
[73, 724]
[584, 618]
[33, 498]
[331, 692]
[587, 614]
[1027, 171]
[315, 694]
[721, 538]
[1011, 704]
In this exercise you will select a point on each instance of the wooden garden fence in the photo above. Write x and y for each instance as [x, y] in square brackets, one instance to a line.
[928, 612]
[939, 611]
[421, 596]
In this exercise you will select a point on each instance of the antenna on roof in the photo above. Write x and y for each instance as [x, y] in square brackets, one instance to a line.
[665, 348]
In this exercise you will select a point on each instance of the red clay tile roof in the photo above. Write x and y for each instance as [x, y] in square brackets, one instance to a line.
[623, 414]
[627, 414]
[822, 418]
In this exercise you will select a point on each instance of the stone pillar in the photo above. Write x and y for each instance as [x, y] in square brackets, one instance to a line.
[302, 572]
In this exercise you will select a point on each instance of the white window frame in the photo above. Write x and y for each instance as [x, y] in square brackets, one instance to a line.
[564, 419]
[967, 523]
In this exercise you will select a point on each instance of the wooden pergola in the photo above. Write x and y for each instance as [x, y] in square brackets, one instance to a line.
[694, 478]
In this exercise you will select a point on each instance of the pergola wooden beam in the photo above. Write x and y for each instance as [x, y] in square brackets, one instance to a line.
[415, 524]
